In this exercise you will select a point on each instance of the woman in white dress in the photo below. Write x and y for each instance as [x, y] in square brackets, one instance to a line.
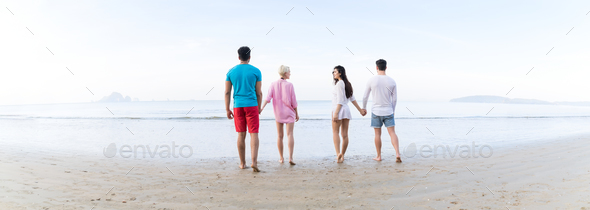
[341, 95]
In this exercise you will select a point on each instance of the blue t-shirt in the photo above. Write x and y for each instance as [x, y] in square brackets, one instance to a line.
[243, 77]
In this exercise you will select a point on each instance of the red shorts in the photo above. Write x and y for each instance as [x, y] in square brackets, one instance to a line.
[246, 116]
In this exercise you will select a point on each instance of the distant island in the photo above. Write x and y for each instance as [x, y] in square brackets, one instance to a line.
[500, 99]
[116, 97]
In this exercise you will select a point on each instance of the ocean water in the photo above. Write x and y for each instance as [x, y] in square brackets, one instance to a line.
[201, 126]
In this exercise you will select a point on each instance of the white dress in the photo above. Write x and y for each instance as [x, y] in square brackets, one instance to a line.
[339, 97]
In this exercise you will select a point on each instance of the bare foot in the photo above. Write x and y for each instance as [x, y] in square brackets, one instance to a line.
[378, 158]
[242, 165]
[291, 162]
[255, 168]
[281, 160]
[398, 160]
[340, 158]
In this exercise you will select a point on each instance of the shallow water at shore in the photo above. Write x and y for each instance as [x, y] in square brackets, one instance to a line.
[313, 138]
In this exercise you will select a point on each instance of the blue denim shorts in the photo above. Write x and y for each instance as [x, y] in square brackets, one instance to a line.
[379, 121]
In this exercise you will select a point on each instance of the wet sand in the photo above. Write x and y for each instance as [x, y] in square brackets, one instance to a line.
[546, 176]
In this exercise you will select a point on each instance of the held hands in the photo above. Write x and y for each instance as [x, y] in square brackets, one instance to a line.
[363, 112]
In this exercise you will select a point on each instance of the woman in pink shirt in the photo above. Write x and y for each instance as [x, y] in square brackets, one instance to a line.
[285, 108]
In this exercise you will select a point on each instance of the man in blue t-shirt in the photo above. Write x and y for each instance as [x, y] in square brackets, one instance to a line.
[247, 83]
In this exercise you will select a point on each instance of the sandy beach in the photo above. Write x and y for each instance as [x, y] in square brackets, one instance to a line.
[545, 176]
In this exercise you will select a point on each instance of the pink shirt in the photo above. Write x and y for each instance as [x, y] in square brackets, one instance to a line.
[284, 102]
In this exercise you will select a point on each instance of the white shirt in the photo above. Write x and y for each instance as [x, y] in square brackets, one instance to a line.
[339, 97]
[384, 95]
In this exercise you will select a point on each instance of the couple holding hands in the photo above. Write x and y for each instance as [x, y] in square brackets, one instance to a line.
[384, 94]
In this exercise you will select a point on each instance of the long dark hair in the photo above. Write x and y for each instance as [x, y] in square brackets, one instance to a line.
[347, 85]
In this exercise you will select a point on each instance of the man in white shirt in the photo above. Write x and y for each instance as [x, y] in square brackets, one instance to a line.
[384, 100]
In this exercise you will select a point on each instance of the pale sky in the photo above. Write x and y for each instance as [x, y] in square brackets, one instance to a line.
[179, 50]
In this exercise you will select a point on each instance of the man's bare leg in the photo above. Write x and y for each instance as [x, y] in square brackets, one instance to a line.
[242, 149]
[344, 133]
[336, 137]
[394, 140]
[378, 143]
[254, 148]
[291, 143]
[280, 140]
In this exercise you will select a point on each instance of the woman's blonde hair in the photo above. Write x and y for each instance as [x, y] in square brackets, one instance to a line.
[283, 70]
